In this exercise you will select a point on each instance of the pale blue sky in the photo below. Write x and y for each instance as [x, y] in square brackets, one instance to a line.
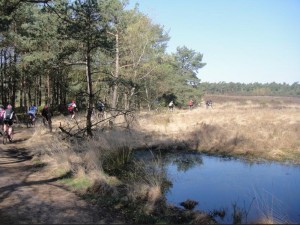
[241, 40]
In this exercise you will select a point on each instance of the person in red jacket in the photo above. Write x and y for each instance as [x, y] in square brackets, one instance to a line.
[72, 107]
[191, 104]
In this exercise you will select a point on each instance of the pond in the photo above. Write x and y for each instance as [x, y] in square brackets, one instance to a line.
[216, 183]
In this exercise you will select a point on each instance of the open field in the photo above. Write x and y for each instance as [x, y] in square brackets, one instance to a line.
[253, 127]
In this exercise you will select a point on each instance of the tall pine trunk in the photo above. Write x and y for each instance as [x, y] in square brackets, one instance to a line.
[90, 94]
[116, 75]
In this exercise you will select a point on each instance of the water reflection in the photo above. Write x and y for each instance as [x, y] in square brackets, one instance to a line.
[268, 190]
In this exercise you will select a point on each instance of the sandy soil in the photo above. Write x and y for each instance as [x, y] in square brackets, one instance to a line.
[28, 195]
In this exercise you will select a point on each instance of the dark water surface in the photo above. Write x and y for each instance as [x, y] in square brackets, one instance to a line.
[256, 189]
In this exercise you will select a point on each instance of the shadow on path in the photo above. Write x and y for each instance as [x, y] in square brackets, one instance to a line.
[5, 191]
[15, 156]
[29, 196]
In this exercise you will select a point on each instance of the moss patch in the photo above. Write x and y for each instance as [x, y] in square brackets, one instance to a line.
[77, 183]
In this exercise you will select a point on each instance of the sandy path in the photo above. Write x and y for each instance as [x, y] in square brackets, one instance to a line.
[28, 196]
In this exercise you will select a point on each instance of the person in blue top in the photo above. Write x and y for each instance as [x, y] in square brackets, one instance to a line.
[32, 111]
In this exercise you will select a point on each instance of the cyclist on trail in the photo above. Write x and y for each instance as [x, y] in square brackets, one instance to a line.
[46, 114]
[9, 116]
[171, 105]
[99, 110]
[32, 111]
[100, 106]
[2, 111]
[191, 104]
[71, 108]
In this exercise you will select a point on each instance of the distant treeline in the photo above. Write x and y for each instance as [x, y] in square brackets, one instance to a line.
[270, 89]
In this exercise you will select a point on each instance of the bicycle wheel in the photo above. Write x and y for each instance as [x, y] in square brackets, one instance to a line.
[50, 125]
[5, 137]
[28, 123]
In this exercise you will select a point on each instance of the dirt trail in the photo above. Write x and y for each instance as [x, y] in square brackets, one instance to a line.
[27, 195]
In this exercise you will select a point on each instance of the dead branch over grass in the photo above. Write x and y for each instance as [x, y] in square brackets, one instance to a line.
[84, 159]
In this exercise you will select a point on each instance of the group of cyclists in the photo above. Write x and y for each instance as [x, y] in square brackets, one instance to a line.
[46, 114]
[7, 116]
[72, 108]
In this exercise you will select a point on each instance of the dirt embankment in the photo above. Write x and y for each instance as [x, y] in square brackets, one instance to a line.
[28, 195]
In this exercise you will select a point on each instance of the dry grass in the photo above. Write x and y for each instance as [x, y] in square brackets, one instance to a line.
[265, 128]
[251, 127]
[255, 128]
[85, 159]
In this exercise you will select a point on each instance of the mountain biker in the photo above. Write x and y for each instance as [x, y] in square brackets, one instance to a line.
[171, 105]
[99, 110]
[191, 104]
[100, 106]
[71, 108]
[9, 116]
[32, 111]
[2, 111]
[208, 103]
[46, 114]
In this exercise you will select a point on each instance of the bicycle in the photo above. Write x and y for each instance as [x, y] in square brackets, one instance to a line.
[48, 123]
[30, 121]
[6, 136]
[100, 115]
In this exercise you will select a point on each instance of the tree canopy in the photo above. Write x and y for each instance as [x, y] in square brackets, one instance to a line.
[55, 51]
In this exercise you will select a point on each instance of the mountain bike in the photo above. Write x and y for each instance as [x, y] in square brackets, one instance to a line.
[6, 136]
[30, 121]
[48, 123]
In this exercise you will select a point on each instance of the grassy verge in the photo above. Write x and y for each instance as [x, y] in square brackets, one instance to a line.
[251, 129]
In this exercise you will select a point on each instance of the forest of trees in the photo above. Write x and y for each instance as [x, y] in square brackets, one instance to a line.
[53, 51]
[89, 50]
[267, 89]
